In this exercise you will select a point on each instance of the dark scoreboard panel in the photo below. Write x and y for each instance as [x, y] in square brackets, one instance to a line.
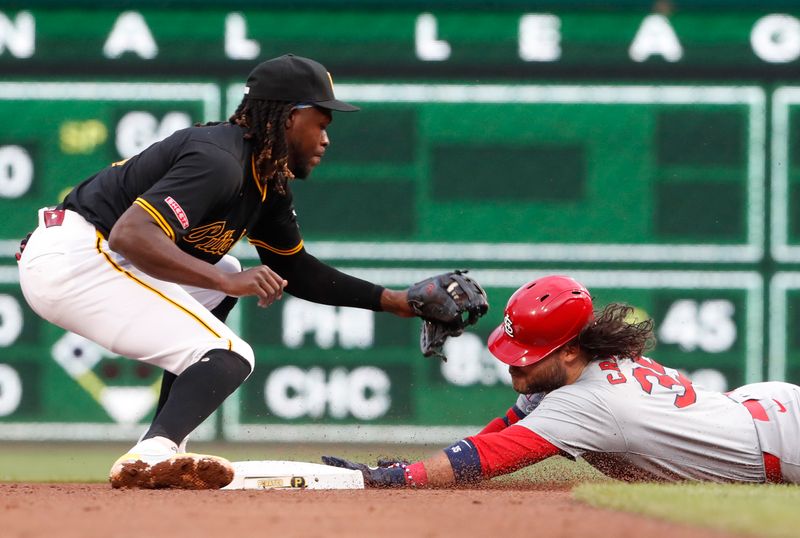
[654, 156]
[624, 165]
[631, 161]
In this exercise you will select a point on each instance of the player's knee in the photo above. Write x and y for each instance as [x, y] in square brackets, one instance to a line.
[231, 364]
[245, 351]
[231, 345]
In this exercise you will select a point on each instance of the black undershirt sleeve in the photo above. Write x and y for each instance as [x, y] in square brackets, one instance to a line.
[315, 281]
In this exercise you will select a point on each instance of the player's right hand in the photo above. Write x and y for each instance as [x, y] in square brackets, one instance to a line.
[393, 476]
[260, 281]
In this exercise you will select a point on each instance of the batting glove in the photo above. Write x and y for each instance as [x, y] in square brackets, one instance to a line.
[392, 476]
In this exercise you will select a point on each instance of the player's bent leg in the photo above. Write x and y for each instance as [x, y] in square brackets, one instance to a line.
[167, 379]
[75, 282]
[71, 278]
[198, 392]
[156, 461]
[221, 311]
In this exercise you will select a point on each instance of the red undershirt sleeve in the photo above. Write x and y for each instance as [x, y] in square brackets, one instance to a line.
[511, 449]
[496, 425]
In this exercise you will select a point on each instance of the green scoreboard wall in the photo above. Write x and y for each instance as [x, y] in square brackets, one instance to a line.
[653, 156]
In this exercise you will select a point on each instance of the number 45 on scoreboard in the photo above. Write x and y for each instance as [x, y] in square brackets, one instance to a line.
[707, 325]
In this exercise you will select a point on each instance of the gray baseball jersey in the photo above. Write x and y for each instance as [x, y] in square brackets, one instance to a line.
[637, 420]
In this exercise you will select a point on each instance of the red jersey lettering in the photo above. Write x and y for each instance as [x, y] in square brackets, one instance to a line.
[180, 214]
[648, 370]
[615, 377]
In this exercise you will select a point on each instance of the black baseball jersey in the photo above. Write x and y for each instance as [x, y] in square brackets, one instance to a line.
[200, 186]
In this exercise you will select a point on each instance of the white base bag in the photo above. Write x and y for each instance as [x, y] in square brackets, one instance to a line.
[292, 475]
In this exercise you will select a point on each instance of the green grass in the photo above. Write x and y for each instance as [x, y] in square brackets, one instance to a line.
[89, 462]
[555, 472]
[761, 510]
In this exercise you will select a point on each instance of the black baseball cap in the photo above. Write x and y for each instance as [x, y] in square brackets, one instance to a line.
[297, 79]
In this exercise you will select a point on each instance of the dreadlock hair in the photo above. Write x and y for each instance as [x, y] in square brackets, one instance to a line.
[264, 121]
[610, 334]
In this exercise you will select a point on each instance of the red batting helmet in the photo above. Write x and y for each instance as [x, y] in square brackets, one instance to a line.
[540, 317]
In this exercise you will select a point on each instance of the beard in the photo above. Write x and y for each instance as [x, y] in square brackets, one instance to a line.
[300, 171]
[546, 377]
[299, 168]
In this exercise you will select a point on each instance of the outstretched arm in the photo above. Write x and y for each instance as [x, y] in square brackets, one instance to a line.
[447, 303]
[486, 456]
[313, 280]
[469, 460]
[396, 302]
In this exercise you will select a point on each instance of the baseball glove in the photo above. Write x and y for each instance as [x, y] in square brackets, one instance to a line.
[448, 303]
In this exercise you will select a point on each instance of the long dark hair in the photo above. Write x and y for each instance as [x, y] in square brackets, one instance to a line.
[265, 121]
[609, 334]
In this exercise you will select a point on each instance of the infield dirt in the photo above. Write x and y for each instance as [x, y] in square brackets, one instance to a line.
[95, 510]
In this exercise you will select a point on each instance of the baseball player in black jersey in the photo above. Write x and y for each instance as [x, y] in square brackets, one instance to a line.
[135, 258]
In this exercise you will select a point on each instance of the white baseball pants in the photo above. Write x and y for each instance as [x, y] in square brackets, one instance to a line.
[70, 278]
